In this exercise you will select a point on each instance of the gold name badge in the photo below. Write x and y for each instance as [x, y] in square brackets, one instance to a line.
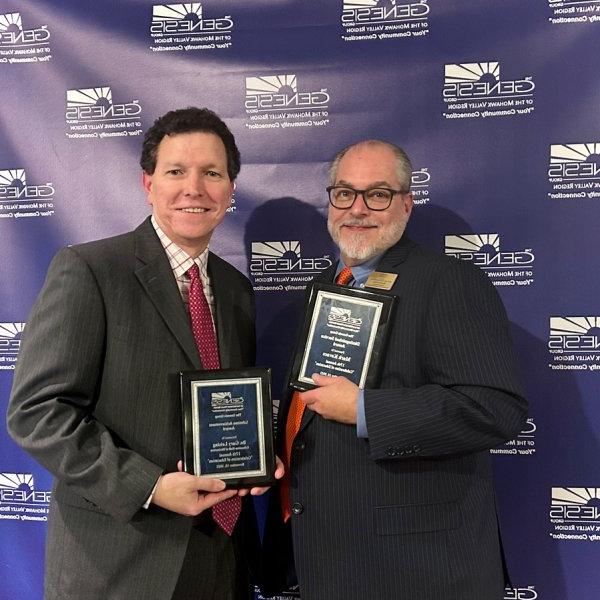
[381, 281]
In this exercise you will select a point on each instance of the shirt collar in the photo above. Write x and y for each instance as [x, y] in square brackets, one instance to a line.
[361, 272]
[179, 259]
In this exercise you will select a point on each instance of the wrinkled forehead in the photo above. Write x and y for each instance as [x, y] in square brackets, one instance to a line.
[368, 165]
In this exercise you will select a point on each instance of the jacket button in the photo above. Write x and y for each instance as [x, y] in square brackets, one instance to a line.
[297, 508]
[299, 446]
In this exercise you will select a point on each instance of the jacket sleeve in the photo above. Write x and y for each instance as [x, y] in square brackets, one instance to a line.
[470, 399]
[56, 383]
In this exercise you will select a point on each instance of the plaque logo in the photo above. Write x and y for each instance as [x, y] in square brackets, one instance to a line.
[225, 401]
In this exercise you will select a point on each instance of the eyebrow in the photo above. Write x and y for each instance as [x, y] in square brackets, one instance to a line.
[178, 164]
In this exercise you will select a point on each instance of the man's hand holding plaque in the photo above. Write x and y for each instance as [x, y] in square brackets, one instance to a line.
[334, 399]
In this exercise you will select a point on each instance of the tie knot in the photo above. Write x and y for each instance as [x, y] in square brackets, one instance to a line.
[193, 272]
[344, 276]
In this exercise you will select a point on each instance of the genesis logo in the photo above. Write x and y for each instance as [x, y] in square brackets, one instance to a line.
[19, 500]
[14, 188]
[574, 171]
[575, 161]
[281, 93]
[224, 401]
[574, 335]
[13, 35]
[481, 81]
[578, 506]
[186, 19]
[483, 250]
[10, 343]
[87, 105]
[342, 317]
[284, 257]
[358, 12]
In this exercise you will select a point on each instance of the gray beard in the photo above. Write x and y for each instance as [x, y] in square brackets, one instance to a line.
[354, 247]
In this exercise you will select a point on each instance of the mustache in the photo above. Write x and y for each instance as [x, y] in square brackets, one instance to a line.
[358, 223]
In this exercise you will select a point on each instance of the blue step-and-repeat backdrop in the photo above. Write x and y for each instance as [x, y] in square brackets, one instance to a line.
[496, 101]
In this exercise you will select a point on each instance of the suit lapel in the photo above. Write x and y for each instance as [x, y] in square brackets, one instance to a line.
[223, 309]
[390, 262]
[156, 277]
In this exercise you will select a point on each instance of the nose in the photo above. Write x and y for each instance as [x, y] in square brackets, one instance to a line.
[359, 207]
[194, 184]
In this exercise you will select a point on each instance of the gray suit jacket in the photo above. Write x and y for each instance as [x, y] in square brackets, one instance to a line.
[95, 400]
[410, 512]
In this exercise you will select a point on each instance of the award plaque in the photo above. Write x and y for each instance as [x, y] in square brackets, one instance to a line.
[344, 334]
[227, 425]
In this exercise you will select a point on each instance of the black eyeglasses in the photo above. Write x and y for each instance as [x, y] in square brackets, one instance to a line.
[376, 198]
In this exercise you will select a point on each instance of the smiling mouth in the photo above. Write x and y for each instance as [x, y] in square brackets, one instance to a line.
[362, 226]
[194, 210]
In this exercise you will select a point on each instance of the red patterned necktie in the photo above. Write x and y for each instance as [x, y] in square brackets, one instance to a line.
[294, 419]
[225, 513]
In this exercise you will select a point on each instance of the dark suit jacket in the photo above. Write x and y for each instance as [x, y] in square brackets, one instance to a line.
[409, 513]
[95, 400]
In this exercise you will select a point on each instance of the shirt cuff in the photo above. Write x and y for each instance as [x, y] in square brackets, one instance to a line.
[361, 420]
[149, 501]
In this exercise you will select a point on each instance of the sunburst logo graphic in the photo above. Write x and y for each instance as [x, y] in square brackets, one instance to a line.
[342, 317]
[338, 311]
[13, 178]
[481, 80]
[18, 496]
[281, 93]
[10, 338]
[17, 481]
[191, 11]
[100, 96]
[284, 258]
[186, 18]
[276, 250]
[575, 335]
[486, 243]
[562, 496]
[574, 153]
[13, 34]
[271, 84]
[11, 22]
[96, 104]
[574, 161]
[486, 72]
[575, 325]
[483, 250]
[14, 186]
[575, 505]
[225, 400]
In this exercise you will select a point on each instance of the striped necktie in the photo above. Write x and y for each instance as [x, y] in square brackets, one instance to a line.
[226, 513]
